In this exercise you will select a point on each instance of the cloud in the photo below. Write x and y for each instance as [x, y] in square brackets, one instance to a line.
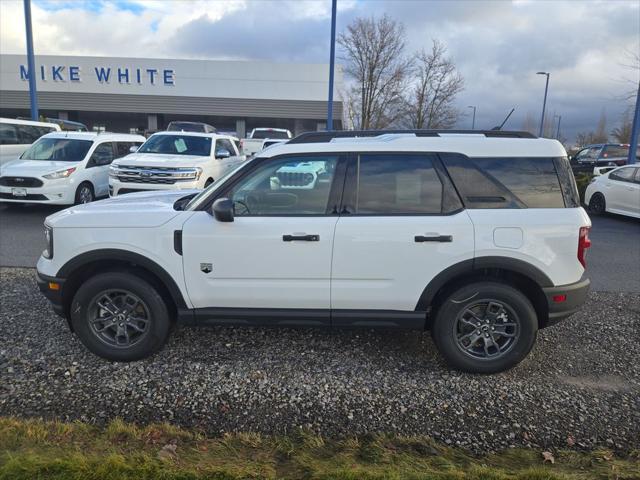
[497, 45]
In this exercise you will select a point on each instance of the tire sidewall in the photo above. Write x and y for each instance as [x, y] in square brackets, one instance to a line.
[443, 326]
[159, 324]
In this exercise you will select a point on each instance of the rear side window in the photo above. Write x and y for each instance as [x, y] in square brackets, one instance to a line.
[507, 182]
[8, 134]
[397, 184]
[614, 151]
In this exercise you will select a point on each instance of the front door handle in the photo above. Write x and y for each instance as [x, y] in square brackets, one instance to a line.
[435, 238]
[301, 238]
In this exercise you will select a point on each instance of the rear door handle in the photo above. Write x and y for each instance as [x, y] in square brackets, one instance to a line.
[301, 238]
[435, 238]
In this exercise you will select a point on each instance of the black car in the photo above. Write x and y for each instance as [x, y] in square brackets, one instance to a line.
[603, 155]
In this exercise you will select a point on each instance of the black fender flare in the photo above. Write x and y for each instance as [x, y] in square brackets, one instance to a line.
[474, 265]
[114, 254]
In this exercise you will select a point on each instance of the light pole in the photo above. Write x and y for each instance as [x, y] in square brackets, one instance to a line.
[558, 127]
[544, 102]
[332, 62]
[473, 122]
[31, 61]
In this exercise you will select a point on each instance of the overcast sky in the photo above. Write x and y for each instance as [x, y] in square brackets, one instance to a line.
[497, 45]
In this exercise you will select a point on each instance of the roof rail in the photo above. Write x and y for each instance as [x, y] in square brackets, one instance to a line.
[320, 137]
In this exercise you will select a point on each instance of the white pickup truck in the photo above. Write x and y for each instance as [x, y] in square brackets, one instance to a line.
[255, 142]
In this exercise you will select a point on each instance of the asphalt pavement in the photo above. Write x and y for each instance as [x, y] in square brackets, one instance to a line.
[613, 260]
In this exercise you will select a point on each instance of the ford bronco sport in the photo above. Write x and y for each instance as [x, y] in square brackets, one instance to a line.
[478, 237]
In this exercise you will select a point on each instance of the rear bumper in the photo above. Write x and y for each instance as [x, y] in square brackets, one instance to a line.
[54, 296]
[565, 300]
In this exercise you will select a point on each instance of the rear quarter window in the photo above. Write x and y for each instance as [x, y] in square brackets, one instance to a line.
[508, 182]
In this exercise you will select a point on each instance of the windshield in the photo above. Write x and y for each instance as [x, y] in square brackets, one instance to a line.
[269, 134]
[185, 127]
[177, 145]
[195, 201]
[58, 149]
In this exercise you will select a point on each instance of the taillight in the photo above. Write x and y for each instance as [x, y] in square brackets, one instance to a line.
[583, 244]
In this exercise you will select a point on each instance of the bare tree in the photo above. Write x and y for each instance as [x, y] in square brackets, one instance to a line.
[601, 135]
[430, 100]
[529, 124]
[622, 133]
[373, 51]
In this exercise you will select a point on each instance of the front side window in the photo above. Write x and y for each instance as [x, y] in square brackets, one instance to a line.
[389, 184]
[177, 145]
[286, 186]
[58, 149]
[223, 144]
[102, 155]
[8, 134]
[623, 174]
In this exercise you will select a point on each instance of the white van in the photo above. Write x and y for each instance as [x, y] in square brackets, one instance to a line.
[65, 168]
[17, 135]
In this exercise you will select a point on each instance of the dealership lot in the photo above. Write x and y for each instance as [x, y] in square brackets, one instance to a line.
[613, 260]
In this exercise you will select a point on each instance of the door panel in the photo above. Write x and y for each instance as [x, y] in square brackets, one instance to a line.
[253, 267]
[378, 264]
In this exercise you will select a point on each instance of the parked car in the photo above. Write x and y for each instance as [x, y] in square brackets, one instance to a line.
[478, 237]
[255, 142]
[190, 127]
[175, 161]
[617, 191]
[604, 154]
[16, 136]
[64, 168]
[68, 125]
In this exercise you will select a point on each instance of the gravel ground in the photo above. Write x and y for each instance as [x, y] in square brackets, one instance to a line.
[580, 384]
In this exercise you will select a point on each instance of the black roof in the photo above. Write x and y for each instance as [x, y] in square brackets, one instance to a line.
[320, 137]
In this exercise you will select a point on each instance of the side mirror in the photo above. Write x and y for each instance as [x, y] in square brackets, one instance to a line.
[222, 210]
[223, 153]
[133, 149]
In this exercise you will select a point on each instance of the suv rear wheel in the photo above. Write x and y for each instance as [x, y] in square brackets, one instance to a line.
[485, 327]
[120, 317]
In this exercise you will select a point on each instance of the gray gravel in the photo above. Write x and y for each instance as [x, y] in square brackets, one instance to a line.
[582, 380]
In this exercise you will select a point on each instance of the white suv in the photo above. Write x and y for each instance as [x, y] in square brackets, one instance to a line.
[175, 161]
[64, 168]
[477, 236]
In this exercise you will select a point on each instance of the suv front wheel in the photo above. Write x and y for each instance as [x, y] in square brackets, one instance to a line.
[485, 327]
[120, 316]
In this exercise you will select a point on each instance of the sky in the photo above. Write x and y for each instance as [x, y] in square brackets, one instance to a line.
[498, 46]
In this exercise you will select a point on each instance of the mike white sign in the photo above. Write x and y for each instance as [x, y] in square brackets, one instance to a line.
[122, 75]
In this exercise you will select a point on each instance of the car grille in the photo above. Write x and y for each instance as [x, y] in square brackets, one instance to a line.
[153, 179]
[152, 175]
[294, 179]
[31, 196]
[20, 182]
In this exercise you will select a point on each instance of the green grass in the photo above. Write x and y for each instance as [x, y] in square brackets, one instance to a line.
[34, 449]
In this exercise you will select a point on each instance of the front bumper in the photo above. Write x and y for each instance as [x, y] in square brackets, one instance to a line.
[116, 187]
[47, 284]
[565, 300]
[53, 193]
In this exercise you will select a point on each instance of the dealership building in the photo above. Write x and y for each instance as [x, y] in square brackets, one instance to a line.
[135, 94]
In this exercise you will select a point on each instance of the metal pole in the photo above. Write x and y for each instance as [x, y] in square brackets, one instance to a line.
[31, 61]
[332, 62]
[544, 102]
[473, 122]
[635, 132]
[558, 131]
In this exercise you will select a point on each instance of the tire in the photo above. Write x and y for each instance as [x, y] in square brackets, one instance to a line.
[454, 328]
[84, 194]
[150, 313]
[597, 204]
[208, 182]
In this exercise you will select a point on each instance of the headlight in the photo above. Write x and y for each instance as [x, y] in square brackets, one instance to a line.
[60, 174]
[48, 235]
[113, 170]
[198, 173]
